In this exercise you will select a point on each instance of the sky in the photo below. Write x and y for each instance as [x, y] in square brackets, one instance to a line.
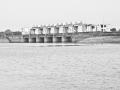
[17, 14]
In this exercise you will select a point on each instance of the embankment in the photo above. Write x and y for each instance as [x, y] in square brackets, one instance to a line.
[89, 38]
[100, 39]
[10, 39]
[4, 40]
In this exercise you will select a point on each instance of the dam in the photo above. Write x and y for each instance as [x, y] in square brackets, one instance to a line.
[55, 33]
[61, 33]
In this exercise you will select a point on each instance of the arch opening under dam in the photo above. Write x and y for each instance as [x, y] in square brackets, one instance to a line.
[57, 39]
[32, 40]
[41, 40]
[67, 39]
[26, 40]
[48, 40]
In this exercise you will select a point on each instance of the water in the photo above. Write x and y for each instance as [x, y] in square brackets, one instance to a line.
[38, 67]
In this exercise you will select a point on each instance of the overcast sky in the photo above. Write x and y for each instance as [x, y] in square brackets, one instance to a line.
[15, 14]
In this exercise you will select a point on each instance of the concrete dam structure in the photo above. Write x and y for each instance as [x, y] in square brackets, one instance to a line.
[65, 33]
[55, 33]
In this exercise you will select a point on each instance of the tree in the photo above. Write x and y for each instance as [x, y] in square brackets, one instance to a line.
[8, 32]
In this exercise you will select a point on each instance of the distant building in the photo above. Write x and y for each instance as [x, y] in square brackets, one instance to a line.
[104, 27]
[25, 31]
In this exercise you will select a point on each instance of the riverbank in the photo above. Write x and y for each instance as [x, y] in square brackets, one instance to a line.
[101, 39]
[81, 38]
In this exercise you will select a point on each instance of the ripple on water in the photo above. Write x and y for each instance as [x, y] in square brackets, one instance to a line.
[83, 67]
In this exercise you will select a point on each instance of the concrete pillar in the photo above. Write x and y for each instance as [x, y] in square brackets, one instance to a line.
[30, 40]
[65, 29]
[64, 39]
[41, 31]
[54, 39]
[45, 40]
[73, 39]
[56, 30]
[48, 30]
[84, 28]
[75, 29]
[22, 39]
[37, 39]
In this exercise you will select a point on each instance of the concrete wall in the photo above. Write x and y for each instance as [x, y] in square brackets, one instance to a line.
[25, 31]
[61, 29]
[52, 30]
[80, 29]
[70, 29]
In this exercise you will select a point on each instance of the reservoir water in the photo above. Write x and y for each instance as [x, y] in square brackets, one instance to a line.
[59, 67]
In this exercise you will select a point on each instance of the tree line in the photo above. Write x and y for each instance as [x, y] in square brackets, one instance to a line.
[8, 32]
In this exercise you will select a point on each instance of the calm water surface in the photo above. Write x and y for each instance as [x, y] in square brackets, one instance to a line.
[38, 67]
